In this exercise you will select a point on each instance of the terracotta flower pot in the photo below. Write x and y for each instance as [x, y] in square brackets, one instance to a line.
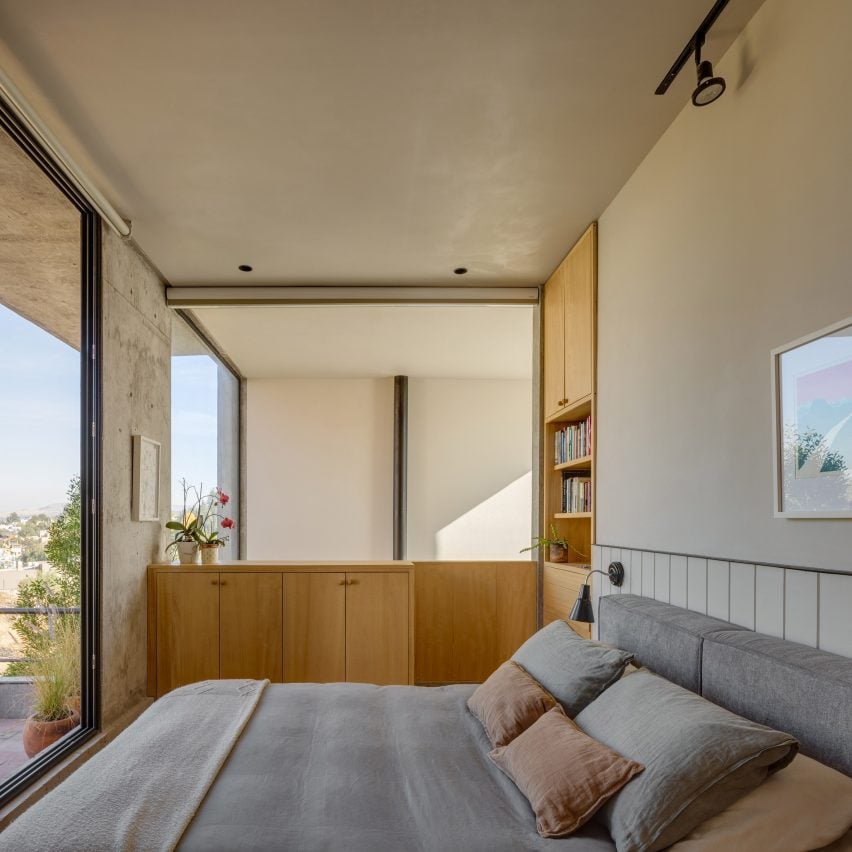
[558, 553]
[38, 736]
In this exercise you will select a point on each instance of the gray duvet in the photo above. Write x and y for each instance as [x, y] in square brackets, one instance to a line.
[356, 767]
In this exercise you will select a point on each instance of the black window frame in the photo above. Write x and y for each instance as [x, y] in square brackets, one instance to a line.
[90, 462]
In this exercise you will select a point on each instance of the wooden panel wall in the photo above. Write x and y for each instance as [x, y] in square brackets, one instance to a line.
[470, 617]
[809, 607]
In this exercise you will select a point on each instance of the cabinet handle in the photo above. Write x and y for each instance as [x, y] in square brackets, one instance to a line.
[342, 583]
[353, 582]
[221, 582]
[214, 582]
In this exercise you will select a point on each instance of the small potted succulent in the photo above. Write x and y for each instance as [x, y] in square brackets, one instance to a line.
[56, 688]
[198, 530]
[558, 547]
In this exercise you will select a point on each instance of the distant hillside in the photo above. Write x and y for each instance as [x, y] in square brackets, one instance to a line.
[52, 510]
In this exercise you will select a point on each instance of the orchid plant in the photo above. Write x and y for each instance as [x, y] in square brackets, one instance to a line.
[200, 520]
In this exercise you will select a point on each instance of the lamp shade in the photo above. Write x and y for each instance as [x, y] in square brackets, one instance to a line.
[583, 610]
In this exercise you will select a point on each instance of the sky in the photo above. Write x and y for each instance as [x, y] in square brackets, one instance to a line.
[194, 407]
[39, 415]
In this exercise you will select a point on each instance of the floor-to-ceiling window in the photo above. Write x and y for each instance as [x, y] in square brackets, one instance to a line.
[49, 422]
[205, 439]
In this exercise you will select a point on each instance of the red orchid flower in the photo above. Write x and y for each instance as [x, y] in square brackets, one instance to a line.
[227, 523]
[222, 497]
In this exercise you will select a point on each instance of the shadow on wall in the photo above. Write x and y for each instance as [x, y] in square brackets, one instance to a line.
[497, 528]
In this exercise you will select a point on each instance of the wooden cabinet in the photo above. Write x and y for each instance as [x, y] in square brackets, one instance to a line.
[377, 627]
[250, 618]
[568, 309]
[186, 629]
[315, 628]
[305, 623]
[561, 585]
[568, 393]
[471, 617]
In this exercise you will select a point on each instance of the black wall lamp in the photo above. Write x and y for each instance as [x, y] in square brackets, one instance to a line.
[583, 610]
[710, 87]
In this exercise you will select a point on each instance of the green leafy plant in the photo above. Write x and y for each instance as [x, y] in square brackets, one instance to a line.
[59, 588]
[56, 673]
[555, 540]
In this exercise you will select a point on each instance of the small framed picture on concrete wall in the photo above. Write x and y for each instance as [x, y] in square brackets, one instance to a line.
[145, 500]
[812, 400]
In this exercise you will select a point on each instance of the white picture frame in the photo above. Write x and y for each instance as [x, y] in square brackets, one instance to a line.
[812, 425]
[145, 499]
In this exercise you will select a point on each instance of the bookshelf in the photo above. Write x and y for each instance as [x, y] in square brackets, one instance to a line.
[568, 402]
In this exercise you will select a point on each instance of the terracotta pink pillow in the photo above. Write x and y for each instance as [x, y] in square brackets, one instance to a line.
[509, 702]
[564, 773]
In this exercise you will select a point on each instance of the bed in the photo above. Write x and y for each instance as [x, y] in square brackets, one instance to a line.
[360, 767]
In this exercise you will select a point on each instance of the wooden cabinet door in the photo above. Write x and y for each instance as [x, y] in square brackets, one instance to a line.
[250, 626]
[314, 628]
[579, 311]
[553, 342]
[377, 627]
[187, 629]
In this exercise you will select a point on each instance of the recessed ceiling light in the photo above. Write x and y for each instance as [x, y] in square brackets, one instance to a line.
[460, 270]
[244, 267]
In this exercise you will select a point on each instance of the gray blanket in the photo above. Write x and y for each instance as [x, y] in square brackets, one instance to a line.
[355, 767]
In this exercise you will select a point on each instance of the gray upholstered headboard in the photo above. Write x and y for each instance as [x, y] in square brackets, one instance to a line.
[790, 687]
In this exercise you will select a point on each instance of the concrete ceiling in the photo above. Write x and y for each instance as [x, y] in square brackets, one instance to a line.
[39, 246]
[360, 341]
[343, 142]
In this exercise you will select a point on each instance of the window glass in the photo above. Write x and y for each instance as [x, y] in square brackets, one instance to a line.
[40, 541]
[205, 440]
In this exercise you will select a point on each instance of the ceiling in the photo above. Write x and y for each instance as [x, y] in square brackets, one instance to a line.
[39, 246]
[361, 341]
[369, 142]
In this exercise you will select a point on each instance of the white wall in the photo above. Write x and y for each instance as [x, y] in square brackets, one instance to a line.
[734, 236]
[469, 463]
[319, 478]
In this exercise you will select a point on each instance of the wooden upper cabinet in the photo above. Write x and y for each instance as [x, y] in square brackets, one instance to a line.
[250, 619]
[554, 343]
[378, 622]
[569, 325]
[187, 647]
[315, 628]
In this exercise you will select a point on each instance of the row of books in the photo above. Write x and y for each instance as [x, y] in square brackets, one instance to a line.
[574, 441]
[576, 492]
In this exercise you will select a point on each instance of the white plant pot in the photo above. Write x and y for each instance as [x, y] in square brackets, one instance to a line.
[209, 554]
[187, 552]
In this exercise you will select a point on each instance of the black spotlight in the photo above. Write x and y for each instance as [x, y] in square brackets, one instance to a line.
[709, 88]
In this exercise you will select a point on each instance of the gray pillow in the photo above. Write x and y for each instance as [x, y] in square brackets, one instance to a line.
[575, 671]
[698, 758]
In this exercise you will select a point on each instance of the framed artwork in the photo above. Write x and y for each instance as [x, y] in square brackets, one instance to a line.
[812, 418]
[145, 501]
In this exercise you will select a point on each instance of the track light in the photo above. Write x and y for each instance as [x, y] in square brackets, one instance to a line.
[710, 87]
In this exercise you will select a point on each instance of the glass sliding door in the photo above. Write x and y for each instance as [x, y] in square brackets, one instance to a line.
[49, 431]
[205, 438]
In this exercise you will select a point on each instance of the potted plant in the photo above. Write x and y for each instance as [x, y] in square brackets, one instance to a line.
[207, 529]
[185, 542]
[56, 688]
[558, 547]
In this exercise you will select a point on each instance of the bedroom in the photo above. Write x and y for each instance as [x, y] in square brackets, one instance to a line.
[328, 147]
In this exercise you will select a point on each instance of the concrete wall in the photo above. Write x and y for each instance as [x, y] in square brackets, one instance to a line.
[136, 399]
[319, 468]
[469, 468]
[730, 239]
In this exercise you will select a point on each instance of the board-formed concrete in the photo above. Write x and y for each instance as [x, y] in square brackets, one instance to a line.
[136, 399]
